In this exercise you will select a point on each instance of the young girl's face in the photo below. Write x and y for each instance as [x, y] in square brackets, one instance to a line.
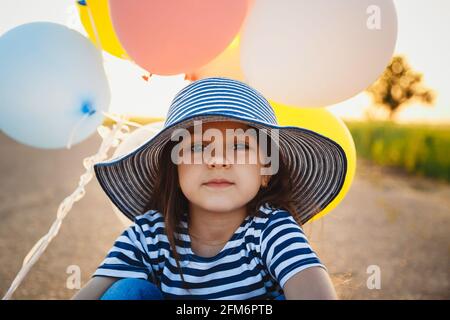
[244, 177]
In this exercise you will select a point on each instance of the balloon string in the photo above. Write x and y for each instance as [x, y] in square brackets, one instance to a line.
[94, 28]
[75, 128]
[119, 130]
[112, 117]
[125, 120]
[130, 123]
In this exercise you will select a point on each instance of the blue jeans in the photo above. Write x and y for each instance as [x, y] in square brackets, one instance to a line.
[137, 289]
[132, 289]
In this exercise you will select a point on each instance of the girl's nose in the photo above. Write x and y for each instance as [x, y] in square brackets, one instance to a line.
[217, 161]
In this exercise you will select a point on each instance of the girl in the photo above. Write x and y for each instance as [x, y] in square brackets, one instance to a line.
[219, 228]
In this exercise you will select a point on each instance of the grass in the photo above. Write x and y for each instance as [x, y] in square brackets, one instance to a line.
[421, 149]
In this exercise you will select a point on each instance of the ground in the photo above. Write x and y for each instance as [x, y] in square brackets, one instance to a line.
[390, 220]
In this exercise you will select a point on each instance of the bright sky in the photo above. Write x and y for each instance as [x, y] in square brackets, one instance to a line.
[423, 37]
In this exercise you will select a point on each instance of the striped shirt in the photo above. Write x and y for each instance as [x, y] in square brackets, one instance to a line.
[262, 254]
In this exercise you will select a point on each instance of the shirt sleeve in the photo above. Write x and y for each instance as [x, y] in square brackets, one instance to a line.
[127, 258]
[285, 250]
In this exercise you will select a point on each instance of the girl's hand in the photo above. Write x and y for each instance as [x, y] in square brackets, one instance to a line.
[95, 288]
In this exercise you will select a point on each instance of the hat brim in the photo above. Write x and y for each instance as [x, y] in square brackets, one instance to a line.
[317, 166]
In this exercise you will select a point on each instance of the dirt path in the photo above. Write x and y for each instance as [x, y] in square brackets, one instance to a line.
[399, 223]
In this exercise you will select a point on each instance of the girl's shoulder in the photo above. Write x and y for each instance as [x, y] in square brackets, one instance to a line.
[269, 213]
[270, 218]
[150, 219]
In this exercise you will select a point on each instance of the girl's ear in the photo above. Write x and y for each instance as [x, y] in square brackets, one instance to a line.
[265, 181]
[266, 177]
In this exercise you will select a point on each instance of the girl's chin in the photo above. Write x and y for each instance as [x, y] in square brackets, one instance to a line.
[219, 208]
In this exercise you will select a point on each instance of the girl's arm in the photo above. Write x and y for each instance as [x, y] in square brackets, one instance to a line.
[95, 288]
[313, 283]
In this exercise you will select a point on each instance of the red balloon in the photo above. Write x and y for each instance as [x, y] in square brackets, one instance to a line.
[168, 37]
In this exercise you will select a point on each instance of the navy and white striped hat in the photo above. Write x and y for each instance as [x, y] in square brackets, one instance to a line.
[317, 164]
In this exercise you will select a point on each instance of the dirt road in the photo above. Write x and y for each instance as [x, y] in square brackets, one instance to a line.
[389, 222]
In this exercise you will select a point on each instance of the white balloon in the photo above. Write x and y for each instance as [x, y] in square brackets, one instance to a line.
[53, 87]
[133, 141]
[308, 53]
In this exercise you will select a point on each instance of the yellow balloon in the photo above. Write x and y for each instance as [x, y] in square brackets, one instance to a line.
[325, 123]
[104, 29]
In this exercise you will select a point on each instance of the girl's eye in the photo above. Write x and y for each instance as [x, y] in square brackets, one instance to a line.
[241, 146]
[198, 147]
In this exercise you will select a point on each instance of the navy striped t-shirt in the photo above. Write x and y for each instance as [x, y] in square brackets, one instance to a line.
[262, 254]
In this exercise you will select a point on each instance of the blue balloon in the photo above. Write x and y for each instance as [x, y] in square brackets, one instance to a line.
[53, 87]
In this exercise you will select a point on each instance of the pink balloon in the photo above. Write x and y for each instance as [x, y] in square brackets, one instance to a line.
[168, 37]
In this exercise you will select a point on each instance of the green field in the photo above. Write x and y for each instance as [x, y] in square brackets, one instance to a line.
[421, 149]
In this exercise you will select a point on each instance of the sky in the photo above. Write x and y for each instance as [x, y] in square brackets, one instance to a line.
[423, 36]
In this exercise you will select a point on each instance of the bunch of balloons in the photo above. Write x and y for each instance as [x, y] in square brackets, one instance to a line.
[301, 55]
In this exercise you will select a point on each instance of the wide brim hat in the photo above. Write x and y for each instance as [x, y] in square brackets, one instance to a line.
[317, 165]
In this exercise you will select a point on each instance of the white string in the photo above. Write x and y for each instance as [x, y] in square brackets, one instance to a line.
[94, 27]
[131, 123]
[119, 131]
[74, 129]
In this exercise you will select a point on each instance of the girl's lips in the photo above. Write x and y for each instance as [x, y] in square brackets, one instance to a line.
[218, 184]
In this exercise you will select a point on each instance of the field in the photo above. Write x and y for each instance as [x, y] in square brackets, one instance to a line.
[420, 149]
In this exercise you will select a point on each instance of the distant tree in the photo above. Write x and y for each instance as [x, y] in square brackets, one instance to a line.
[399, 86]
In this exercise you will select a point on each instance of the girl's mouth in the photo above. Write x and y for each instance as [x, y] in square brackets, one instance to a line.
[218, 184]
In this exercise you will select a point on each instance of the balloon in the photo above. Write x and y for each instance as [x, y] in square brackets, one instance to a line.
[325, 123]
[103, 27]
[317, 53]
[227, 64]
[134, 140]
[168, 37]
[53, 87]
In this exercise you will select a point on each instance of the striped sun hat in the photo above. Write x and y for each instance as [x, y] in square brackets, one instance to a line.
[317, 164]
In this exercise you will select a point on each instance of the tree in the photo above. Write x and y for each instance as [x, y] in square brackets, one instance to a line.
[399, 86]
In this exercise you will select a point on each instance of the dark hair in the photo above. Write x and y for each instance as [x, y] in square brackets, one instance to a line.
[170, 201]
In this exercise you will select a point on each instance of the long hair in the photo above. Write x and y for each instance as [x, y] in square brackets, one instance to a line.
[169, 200]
